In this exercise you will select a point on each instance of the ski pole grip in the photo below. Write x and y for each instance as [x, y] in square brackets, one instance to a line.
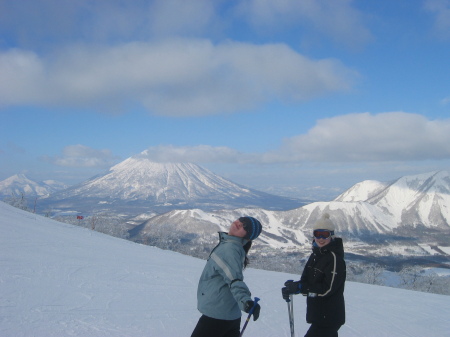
[254, 306]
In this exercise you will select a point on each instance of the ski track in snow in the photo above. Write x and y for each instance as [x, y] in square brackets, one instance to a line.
[62, 280]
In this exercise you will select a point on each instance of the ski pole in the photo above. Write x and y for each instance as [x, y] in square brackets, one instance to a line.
[250, 313]
[290, 304]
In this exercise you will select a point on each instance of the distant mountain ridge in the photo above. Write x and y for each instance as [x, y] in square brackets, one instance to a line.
[138, 185]
[407, 217]
[19, 184]
[415, 200]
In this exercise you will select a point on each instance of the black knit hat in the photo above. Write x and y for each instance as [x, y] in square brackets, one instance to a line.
[252, 227]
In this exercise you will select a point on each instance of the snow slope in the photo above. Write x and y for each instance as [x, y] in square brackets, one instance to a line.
[62, 280]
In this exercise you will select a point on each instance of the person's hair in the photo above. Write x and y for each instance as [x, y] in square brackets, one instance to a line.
[247, 247]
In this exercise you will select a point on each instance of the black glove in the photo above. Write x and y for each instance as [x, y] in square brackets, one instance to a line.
[285, 293]
[249, 305]
[291, 288]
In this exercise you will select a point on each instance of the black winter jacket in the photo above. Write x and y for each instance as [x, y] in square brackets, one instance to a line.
[323, 281]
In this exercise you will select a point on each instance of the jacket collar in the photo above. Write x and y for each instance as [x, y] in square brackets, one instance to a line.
[224, 237]
[335, 245]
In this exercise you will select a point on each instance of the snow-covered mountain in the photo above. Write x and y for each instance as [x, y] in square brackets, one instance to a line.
[362, 191]
[63, 280]
[407, 217]
[20, 184]
[139, 185]
[418, 200]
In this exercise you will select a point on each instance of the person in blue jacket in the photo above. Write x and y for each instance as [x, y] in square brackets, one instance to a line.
[322, 281]
[222, 293]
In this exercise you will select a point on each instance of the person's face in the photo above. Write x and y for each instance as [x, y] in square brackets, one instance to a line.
[322, 242]
[322, 237]
[237, 229]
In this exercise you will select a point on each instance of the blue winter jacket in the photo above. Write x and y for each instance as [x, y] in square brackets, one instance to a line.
[221, 292]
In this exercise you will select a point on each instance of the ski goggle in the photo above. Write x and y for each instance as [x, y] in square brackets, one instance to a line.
[322, 233]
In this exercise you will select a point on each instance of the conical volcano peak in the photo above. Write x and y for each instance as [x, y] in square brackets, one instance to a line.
[141, 182]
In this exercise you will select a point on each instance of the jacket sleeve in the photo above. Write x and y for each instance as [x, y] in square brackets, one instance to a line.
[230, 266]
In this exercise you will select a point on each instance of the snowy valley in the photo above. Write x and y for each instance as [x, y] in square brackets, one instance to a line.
[63, 280]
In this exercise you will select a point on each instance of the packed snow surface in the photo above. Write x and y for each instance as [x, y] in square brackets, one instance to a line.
[62, 280]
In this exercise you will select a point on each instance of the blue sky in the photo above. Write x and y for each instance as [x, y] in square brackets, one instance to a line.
[303, 94]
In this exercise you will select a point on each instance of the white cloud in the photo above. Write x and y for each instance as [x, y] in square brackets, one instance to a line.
[179, 77]
[364, 137]
[353, 138]
[336, 19]
[45, 23]
[83, 156]
[441, 11]
[40, 24]
[21, 75]
[174, 17]
[196, 154]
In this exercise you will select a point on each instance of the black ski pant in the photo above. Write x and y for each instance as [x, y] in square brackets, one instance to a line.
[211, 327]
[316, 330]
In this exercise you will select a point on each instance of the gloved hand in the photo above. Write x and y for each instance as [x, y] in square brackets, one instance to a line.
[249, 305]
[291, 287]
[285, 293]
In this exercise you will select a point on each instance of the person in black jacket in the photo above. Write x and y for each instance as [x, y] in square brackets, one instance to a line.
[322, 281]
